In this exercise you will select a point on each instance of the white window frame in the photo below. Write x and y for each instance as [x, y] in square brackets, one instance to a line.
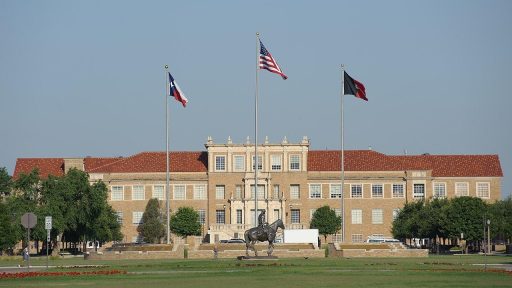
[416, 195]
[239, 216]
[200, 192]
[337, 211]
[356, 216]
[261, 191]
[397, 193]
[295, 216]
[202, 216]
[178, 193]
[377, 216]
[374, 195]
[335, 191]
[357, 238]
[276, 191]
[220, 192]
[457, 189]
[220, 216]
[156, 194]
[138, 193]
[260, 162]
[352, 186]
[276, 162]
[120, 217]
[294, 194]
[220, 163]
[114, 195]
[239, 163]
[137, 217]
[396, 211]
[478, 190]
[294, 162]
[315, 191]
[239, 192]
[439, 189]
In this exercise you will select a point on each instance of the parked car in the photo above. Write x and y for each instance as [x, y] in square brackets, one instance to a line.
[236, 240]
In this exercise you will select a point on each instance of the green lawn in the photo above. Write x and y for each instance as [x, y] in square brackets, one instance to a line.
[435, 271]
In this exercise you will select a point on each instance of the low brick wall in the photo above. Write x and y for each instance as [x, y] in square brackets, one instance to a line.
[176, 253]
[369, 251]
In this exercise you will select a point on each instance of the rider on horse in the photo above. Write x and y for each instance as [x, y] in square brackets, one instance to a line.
[261, 222]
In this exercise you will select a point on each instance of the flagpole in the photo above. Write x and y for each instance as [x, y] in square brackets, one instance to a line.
[167, 177]
[256, 132]
[342, 157]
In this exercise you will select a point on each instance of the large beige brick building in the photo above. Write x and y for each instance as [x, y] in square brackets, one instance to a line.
[293, 181]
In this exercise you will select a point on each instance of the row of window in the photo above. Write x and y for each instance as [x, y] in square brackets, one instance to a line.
[139, 193]
[315, 191]
[276, 163]
[377, 216]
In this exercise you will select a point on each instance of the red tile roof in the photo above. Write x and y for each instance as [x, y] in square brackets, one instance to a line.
[320, 160]
[441, 165]
[46, 166]
[147, 162]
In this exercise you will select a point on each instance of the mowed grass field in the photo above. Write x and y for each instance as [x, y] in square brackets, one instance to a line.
[434, 271]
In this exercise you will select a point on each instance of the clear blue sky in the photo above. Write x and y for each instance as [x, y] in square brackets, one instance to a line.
[82, 78]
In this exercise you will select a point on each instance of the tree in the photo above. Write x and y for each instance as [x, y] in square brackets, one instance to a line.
[7, 229]
[5, 183]
[466, 215]
[407, 223]
[325, 220]
[185, 222]
[152, 228]
[501, 219]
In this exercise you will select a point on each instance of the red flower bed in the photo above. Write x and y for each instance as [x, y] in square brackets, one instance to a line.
[19, 275]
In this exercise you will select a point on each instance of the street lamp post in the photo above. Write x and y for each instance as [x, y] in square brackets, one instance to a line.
[488, 236]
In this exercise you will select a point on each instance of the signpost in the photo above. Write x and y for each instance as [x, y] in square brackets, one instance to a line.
[28, 220]
[48, 227]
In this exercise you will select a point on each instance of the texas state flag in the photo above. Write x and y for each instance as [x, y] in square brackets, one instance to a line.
[175, 91]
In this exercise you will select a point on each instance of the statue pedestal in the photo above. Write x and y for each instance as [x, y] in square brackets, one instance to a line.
[257, 258]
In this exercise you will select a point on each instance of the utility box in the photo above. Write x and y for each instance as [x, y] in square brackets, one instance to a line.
[301, 236]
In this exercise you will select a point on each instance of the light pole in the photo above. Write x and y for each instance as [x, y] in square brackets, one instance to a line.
[488, 236]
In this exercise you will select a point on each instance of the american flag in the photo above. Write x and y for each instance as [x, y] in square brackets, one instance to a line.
[267, 62]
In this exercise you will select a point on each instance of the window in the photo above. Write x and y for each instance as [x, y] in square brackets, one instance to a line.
[238, 192]
[295, 216]
[336, 238]
[357, 238]
[260, 163]
[238, 216]
[419, 190]
[398, 190]
[277, 215]
[377, 191]
[277, 193]
[275, 162]
[119, 217]
[137, 217]
[337, 211]
[200, 192]
[180, 192]
[461, 189]
[315, 191]
[357, 216]
[377, 216]
[202, 216]
[396, 211]
[294, 191]
[335, 191]
[158, 192]
[356, 190]
[239, 163]
[294, 162]
[261, 191]
[117, 193]
[439, 190]
[220, 216]
[220, 191]
[220, 163]
[137, 192]
[482, 190]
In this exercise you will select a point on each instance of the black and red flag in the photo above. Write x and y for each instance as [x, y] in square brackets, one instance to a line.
[354, 87]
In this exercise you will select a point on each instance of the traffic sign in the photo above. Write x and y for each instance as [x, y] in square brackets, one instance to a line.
[29, 220]
[48, 222]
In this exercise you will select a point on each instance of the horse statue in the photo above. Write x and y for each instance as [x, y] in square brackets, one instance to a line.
[262, 234]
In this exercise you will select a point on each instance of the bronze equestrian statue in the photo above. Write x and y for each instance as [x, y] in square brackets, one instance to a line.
[263, 232]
